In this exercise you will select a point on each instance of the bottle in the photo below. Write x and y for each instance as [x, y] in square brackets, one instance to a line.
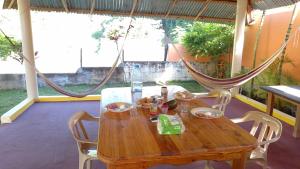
[153, 107]
[136, 79]
[164, 93]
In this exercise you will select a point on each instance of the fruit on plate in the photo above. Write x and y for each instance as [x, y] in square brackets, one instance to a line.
[112, 106]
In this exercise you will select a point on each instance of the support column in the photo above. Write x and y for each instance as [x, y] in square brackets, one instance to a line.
[27, 47]
[239, 36]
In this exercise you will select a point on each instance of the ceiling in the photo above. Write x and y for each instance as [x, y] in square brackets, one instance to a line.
[205, 10]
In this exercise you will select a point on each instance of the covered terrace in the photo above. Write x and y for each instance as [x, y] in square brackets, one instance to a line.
[34, 134]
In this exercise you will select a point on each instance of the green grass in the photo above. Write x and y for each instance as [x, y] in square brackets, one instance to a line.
[10, 98]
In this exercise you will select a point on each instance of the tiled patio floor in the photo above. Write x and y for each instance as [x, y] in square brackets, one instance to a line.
[40, 139]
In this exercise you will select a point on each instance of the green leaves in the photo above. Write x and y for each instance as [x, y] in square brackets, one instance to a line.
[208, 39]
[6, 47]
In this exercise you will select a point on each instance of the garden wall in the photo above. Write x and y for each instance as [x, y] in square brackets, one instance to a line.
[272, 35]
[151, 71]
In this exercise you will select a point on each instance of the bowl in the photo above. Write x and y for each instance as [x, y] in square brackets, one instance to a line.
[172, 104]
[184, 96]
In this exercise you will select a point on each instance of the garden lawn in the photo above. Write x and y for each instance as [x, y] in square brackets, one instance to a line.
[10, 98]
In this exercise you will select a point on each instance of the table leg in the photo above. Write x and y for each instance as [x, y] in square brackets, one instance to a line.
[128, 166]
[270, 103]
[239, 163]
[296, 132]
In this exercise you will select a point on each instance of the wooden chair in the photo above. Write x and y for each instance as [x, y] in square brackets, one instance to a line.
[87, 149]
[270, 132]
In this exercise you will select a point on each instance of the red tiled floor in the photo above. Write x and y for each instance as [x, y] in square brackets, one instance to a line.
[40, 139]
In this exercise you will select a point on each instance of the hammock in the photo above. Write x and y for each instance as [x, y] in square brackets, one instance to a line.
[87, 92]
[90, 91]
[212, 83]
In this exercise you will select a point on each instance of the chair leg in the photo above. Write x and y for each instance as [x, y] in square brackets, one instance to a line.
[82, 161]
[208, 165]
[265, 165]
[88, 164]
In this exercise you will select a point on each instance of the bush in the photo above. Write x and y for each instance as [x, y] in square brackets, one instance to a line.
[208, 39]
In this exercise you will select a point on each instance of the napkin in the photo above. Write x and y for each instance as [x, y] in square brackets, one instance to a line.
[170, 124]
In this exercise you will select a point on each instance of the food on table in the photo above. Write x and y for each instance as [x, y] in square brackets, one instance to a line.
[172, 104]
[206, 112]
[118, 107]
[184, 95]
[147, 101]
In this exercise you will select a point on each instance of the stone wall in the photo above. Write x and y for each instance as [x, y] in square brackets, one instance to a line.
[151, 71]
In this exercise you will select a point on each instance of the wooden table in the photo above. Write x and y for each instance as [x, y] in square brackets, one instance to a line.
[134, 143]
[288, 93]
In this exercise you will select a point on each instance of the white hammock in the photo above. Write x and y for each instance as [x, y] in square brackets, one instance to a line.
[212, 83]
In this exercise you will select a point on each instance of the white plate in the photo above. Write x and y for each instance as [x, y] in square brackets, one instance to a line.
[206, 112]
[118, 107]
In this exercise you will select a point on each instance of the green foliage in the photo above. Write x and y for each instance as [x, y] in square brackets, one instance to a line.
[174, 28]
[208, 39]
[267, 78]
[6, 47]
[270, 77]
[98, 35]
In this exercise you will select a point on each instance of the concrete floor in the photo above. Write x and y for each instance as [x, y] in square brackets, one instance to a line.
[40, 139]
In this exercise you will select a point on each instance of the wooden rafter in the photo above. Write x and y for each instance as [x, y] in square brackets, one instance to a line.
[170, 9]
[93, 6]
[65, 4]
[11, 4]
[202, 10]
[133, 7]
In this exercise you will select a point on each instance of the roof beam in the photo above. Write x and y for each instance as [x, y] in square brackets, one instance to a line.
[170, 9]
[117, 13]
[93, 6]
[203, 9]
[64, 2]
[133, 7]
[11, 4]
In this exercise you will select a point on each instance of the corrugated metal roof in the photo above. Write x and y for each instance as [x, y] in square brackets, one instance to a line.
[217, 10]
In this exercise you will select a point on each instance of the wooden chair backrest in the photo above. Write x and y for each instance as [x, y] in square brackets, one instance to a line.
[270, 127]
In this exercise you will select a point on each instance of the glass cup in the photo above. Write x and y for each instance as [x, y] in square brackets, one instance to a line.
[136, 86]
[183, 106]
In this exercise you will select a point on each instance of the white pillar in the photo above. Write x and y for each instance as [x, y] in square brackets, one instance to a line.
[238, 46]
[27, 47]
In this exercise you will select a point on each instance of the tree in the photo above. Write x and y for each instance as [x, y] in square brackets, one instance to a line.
[98, 35]
[7, 46]
[169, 27]
[208, 39]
